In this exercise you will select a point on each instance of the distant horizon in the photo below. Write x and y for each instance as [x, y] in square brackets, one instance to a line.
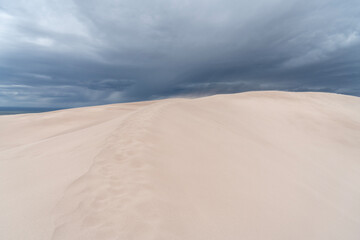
[10, 110]
[22, 110]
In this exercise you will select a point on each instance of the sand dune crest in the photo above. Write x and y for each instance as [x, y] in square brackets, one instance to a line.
[257, 165]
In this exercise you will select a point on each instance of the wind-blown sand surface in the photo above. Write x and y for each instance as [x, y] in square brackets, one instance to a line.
[250, 166]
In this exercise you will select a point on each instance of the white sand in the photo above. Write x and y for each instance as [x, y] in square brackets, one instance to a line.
[250, 166]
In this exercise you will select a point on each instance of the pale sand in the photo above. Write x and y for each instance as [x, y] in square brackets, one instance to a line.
[250, 166]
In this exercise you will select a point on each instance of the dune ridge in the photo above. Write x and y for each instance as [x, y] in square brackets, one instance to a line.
[255, 165]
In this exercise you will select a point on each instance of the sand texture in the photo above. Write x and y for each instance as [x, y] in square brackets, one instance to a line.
[249, 166]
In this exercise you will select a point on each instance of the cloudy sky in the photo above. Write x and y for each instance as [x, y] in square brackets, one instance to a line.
[68, 53]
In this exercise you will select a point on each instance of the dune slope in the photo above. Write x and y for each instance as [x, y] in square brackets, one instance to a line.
[256, 165]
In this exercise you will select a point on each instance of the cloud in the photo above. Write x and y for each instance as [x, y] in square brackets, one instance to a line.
[77, 53]
[324, 49]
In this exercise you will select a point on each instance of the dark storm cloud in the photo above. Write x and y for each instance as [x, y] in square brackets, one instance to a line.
[75, 52]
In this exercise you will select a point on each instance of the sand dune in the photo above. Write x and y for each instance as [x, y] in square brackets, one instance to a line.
[252, 166]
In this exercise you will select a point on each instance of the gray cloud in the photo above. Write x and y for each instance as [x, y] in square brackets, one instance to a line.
[76, 53]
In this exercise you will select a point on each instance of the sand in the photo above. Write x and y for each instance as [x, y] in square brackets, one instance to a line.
[251, 166]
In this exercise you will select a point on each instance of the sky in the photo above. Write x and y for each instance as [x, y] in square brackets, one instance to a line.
[72, 53]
